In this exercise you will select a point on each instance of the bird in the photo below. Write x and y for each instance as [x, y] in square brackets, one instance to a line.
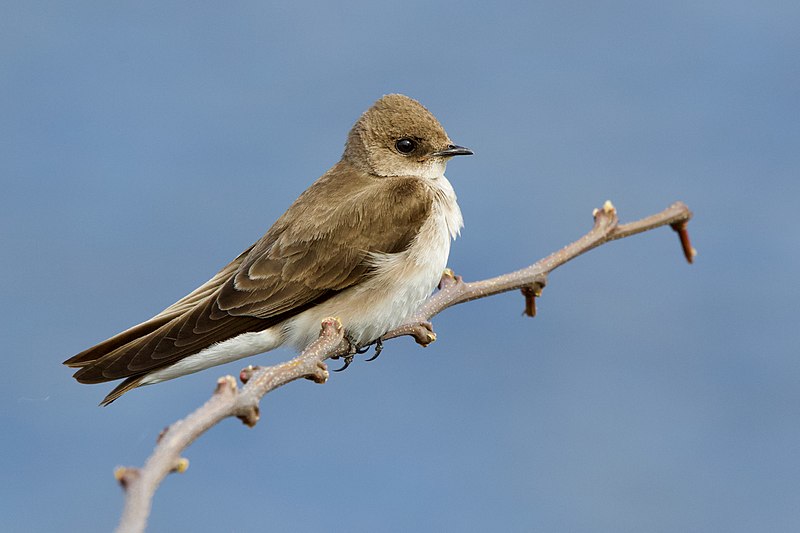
[367, 243]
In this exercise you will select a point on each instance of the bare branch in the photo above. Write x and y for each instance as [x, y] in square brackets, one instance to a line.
[532, 279]
[228, 401]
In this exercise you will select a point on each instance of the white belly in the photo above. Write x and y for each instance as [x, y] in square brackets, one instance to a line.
[402, 282]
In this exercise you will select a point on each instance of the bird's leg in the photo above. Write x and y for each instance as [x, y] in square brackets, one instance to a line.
[350, 355]
[355, 350]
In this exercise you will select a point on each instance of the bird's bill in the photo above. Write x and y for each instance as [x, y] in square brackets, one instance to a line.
[452, 150]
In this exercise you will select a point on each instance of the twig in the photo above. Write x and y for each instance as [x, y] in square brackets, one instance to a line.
[227, 401]
[532, 279]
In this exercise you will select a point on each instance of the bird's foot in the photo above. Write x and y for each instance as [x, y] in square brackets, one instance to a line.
[347, 360]
[378, 349]
[356, 350]
[351, 353]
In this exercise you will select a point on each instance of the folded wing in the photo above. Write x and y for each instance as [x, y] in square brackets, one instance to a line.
[319, 247]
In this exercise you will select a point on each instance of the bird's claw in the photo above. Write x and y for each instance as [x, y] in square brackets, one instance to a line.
[347, 360]
[378, 349]
[360, 351]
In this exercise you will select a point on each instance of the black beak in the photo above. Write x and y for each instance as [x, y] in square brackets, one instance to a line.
[452, 150]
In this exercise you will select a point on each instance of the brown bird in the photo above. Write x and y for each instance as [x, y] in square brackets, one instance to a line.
[367, 243]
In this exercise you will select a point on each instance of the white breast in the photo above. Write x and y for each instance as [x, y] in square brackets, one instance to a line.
[400, 285]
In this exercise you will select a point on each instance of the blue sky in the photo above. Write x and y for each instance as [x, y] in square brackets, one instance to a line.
[144, 145]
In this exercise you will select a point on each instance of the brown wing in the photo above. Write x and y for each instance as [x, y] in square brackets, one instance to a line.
[164, 317]
[319, 247]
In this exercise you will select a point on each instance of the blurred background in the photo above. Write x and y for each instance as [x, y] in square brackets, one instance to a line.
[144, 145]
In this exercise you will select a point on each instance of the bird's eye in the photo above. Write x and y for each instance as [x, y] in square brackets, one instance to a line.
[405, 146]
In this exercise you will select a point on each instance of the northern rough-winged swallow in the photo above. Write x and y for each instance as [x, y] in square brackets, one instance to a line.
[366, 243]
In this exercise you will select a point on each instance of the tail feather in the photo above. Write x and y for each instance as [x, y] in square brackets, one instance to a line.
[95, 353]
[129, 384]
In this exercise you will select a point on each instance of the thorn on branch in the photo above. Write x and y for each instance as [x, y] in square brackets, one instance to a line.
[531, 292]
[126, 475]
[688, 252]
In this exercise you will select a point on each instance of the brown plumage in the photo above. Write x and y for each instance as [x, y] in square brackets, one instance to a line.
[368, 205]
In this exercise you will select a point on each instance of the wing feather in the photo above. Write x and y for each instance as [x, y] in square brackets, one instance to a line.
[319, 247]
